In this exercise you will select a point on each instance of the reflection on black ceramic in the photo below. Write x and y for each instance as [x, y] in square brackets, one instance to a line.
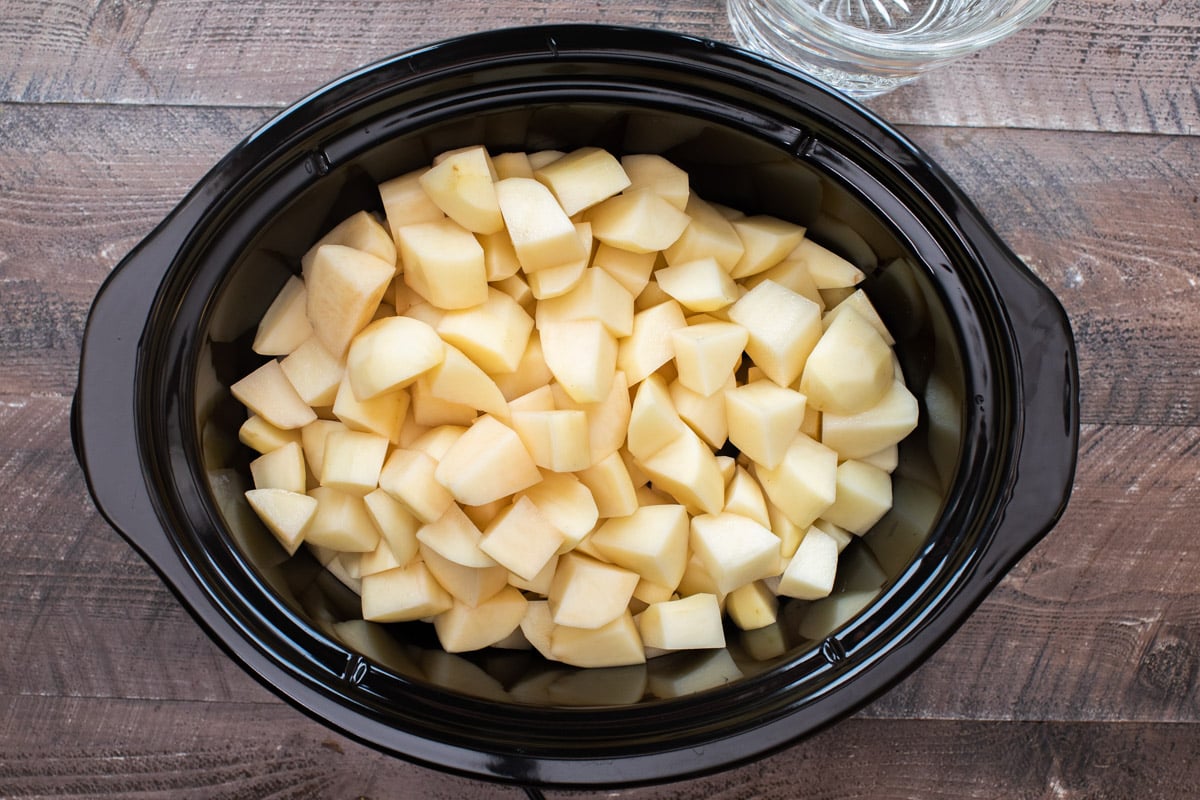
[984, 346]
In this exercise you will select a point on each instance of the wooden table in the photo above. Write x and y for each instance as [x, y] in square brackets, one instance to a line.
[1076, 678]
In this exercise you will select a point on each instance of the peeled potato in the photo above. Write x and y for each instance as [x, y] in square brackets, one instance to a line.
[559, 401]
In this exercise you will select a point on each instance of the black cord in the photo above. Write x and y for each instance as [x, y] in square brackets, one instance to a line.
[533, 793]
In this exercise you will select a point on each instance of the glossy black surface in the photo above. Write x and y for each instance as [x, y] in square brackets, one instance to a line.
[984, 346]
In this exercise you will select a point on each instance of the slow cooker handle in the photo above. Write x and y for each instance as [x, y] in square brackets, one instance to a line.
[104, 429]
[1047, 397]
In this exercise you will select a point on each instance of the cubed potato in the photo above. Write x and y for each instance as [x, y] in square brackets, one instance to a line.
[650, 346]
[405, 202]
[542, 233]
[653, 421]
[537, 624]
[314, 372]
[567, 503]
[463, 628]
[469, 585]
[596, 296]
[555, 281]
[353, 460]
[285, 325]
[426, 312]
[639, 220]
[443, 262]
[382, 414]
[500, 260]
[312, 439]
[530, 374]
[862, 305]
[652, 541]
[850, 368]
[522, 539]
[708, 234]
[687, 470]
[396, 524]
[616, 644]
[260, 435]
[557, 439]
[539, 399]
[512, 165]
[587, 593]
[805, 482]
[361, 231]
[707, 354]
[286, 514]
[783, 329]
[650, 593]
[886, 459]
[631, 270]
[689, 623]
[810, 426]
[864, 495]
[378, 560]
[827, 269]
[789, 533]
[607, 420]
[763, 417]
[752, 606]
[540, 158]
[840, 535]
[267, 393]
[433, 412]
[345, 287]
[704, 415]
[652, 171]
[486, 463]
[700, 285]
[403, 594]
[866, 432]
[462, 185]
[408, 477]
[734, 550]
[792, 274]
[435, 441]
[767, 241]
[611, 487]
[390, 353]
[494, 335]
[744, 496]
[697, 580]
[811, 571]
[582, 356]
[455, 537]
[582, 178]
[539, 584]
[282, 468]
[341, 522]
[458, 379]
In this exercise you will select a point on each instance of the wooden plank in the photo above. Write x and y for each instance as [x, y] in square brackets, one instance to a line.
[112, 747]
[1112, 66]
[1097, 623]
[199, 751]
[1116, 65]
[1108, 222]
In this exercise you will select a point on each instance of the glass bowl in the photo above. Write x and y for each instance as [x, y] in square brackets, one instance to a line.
[868, 47]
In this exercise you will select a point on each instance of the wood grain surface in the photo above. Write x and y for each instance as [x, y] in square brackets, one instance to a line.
[1076, 678]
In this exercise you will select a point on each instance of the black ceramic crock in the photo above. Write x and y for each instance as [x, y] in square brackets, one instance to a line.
[984, 345]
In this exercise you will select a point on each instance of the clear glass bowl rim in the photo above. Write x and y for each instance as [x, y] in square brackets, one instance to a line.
[829, 36]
